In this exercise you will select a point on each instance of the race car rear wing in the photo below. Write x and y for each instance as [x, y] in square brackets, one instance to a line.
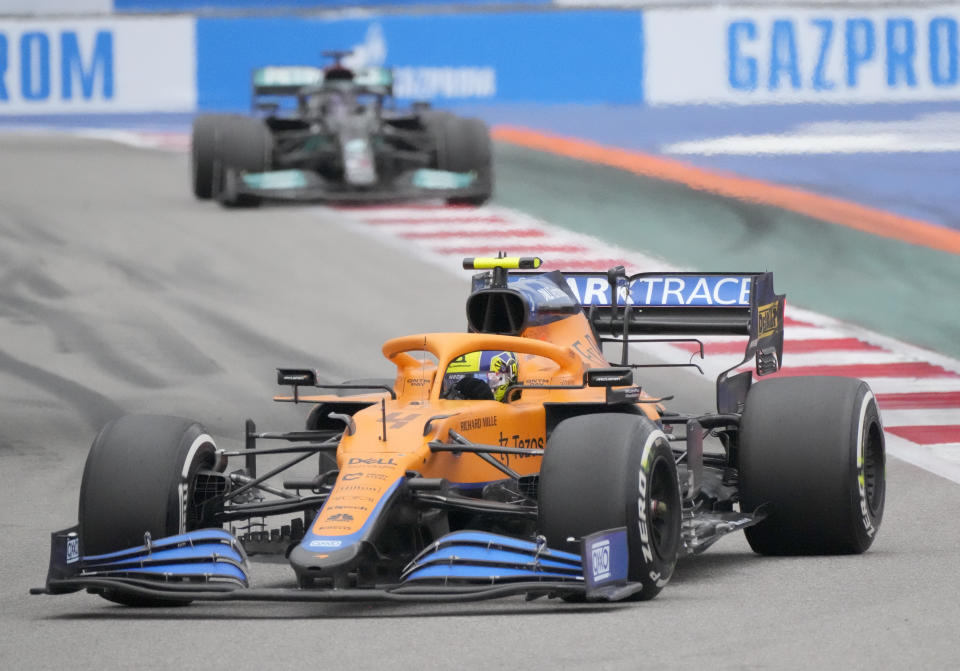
[280, 80]
[679, 303]
[289, 80]
[684, 304]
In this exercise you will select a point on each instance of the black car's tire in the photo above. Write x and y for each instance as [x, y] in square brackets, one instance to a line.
[812, 453]
[242, 144]
[614, 470]
[463, 145]
[202, 154]
[141, 476]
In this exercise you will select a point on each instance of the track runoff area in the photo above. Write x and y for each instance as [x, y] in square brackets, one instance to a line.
[918, 391]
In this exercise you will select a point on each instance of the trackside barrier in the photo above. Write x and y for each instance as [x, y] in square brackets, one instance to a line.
[264, 6]
[528, 56]
[85, 65]
[665, 56]
[791, 54]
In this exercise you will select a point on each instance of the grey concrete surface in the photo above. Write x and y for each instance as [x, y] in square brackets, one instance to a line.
[119, 293]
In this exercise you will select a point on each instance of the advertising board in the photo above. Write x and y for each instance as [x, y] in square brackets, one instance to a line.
[756, 55]
[590, 56]
[86, 65]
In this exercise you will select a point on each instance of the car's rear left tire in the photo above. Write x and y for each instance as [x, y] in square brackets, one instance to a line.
[141, 476]
[812, 455]
[609, 470]
[203, 154]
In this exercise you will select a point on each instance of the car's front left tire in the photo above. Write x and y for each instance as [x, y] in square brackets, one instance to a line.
[144, 474]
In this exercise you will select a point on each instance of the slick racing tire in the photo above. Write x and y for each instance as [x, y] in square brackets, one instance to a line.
[242, 144]
[812, 457]
[202, 154]
[463, 145]
[142, 476]
[613, 470]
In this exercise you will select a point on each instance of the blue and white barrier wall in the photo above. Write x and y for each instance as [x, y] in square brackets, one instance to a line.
[97, 65]
[593, 56]
[801, 55]
[657, 57]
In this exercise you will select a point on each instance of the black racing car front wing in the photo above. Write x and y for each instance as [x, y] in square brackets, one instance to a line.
[311, 187]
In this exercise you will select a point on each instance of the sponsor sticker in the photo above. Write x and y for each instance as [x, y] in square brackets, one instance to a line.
[96, 64]
[768, 319]
[600, 553]
[665, 290]
[605, 557]
[372, 461]
[478, 423]
[73, 549]
[754, 55]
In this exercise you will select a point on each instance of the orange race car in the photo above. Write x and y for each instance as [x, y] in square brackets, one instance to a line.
[513, 458]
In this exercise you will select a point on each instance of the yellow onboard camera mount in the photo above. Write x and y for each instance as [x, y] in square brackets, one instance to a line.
[500, 264]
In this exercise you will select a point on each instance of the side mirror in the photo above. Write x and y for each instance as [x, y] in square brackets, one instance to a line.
[608, 377]
[297, 377]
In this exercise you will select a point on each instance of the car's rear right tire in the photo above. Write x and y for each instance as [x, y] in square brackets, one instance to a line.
[603, 471]
[812, 457]
[463, 145]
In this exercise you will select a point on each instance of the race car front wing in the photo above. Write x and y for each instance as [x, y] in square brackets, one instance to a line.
[308, 186]
[209, 565]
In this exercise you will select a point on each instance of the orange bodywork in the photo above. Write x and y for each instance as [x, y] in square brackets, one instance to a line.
[391, 436]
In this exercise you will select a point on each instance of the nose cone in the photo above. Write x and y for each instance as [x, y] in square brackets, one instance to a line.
[310, 562]
[343, 531]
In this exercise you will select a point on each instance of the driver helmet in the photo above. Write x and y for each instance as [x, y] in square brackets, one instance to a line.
[496, 370]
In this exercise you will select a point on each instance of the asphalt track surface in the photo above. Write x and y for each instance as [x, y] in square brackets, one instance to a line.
[119, 293]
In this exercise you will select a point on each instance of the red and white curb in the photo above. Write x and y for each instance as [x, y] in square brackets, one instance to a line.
[918, 391]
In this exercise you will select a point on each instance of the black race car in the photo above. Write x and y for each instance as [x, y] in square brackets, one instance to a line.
[336, 134]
